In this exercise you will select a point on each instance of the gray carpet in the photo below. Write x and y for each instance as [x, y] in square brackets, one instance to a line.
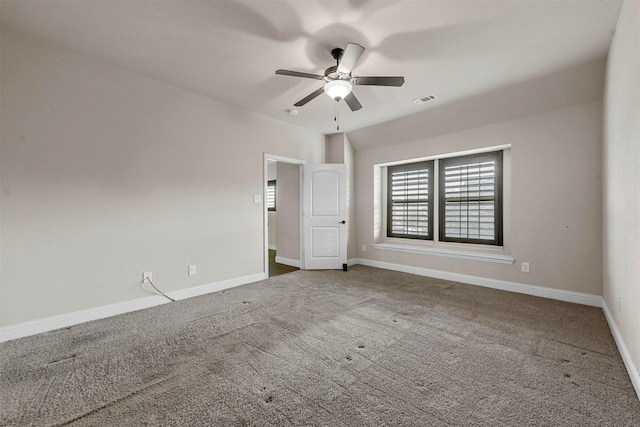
[366, 347]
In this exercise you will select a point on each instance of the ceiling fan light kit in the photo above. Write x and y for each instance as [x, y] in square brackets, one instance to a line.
[338, 89]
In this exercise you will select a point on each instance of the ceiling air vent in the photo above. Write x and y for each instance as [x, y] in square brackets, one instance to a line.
[425, 99]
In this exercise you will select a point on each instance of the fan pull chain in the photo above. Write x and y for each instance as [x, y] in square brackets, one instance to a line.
[337, 117]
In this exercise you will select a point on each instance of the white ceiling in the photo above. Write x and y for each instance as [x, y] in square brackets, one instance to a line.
[229, 50]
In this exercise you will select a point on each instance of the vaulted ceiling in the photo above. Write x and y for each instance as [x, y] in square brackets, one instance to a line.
[229, 50]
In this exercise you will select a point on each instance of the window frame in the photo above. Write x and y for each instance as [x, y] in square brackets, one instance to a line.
[429, 165]
[437, 206]
[495, 156]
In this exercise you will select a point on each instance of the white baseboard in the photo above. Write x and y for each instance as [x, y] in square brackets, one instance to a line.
[215, 287]
[46, 324]
[521, 288]
[352, 261]
[288, 261]
[622, 348]
[69, 319]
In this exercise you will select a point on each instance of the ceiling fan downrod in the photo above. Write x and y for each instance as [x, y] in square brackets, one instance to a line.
[337, 55]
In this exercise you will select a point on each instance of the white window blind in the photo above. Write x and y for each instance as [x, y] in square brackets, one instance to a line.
[409, 206]
[470, 199]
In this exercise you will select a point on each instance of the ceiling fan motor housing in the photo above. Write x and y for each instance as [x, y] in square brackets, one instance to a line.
[332, 73]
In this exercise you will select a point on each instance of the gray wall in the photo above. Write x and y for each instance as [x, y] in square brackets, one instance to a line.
[556, 199]
[338, 149]
[349, 160]
[106, 174]
[288, 215]
[621, 233]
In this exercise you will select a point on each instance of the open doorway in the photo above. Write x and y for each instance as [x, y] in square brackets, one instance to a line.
[282, 215]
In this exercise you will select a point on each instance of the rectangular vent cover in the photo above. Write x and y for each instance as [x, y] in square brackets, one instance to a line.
[425, 99]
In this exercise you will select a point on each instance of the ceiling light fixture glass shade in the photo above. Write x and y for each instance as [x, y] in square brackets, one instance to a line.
[338, 89]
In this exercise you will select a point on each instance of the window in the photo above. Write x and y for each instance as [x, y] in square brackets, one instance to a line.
[271, 195]
[470, 199]
[410, 206]
[466, 193]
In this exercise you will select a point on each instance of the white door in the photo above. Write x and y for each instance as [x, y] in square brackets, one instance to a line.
[324, 216]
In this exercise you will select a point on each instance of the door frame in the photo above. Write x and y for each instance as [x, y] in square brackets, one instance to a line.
[265, 213]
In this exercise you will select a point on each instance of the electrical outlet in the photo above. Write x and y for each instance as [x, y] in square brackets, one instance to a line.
[257, 198]
[147, 275]
[192, 270]
[525, 267]
[364, 248]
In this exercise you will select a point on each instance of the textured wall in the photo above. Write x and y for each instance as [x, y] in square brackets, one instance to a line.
[106, 174]
[556, 203]
[288, 217]
[621, 232]
[338, 149]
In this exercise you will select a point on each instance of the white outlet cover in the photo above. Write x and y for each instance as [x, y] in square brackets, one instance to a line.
[192, 270]
[257, 198]
[147, 274]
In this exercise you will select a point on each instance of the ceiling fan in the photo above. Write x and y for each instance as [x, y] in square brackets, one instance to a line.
[338, 80]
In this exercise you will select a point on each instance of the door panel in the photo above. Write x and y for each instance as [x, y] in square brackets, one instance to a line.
[325, 242]
[325, 186]
[324, 216]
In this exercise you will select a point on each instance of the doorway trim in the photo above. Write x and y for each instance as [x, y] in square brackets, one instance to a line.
[265, 213]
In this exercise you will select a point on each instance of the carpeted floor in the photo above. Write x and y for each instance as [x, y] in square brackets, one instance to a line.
[364, 347]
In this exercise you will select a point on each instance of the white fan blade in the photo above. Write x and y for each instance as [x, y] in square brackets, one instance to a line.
[350, 57]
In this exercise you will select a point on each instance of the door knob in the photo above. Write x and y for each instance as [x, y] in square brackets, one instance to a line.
[343, 222]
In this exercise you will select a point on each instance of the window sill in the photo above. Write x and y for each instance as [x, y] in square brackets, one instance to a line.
[451, 253]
